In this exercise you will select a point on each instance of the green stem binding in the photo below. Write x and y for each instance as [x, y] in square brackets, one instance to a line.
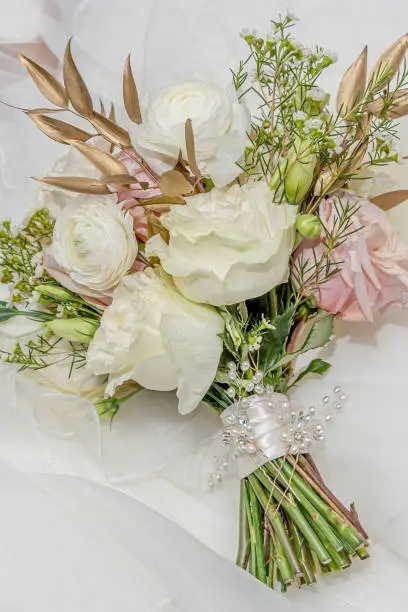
[292, 526]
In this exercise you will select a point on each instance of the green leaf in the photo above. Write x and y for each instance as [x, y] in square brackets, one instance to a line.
[316, 366]
[274, 340]
[7, 312]
[243, 312]
[320, 334]
[228, 343]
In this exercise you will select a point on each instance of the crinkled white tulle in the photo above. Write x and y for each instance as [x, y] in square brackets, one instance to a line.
[78, 545]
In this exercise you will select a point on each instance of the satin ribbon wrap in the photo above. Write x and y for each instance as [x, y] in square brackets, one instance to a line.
[267, 417]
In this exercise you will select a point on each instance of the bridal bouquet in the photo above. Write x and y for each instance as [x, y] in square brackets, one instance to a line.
[203, 243]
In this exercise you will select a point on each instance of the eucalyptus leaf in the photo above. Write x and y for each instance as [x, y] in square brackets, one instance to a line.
[274, 340]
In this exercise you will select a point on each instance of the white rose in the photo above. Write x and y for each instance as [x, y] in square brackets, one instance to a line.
[152, 335]
[227, 245]
[219, 123]
[94, 243]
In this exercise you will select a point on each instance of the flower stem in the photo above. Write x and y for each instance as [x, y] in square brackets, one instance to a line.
[277, 524]
[302, 553]
[259, 547]
[273, 304]
[293, 510]
[244, 539]
[318, 522]
[303, 490]
[271, 563]
[252, 550]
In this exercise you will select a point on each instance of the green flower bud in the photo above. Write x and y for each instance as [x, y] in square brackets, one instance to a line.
[308, 226]
[279, 174]
[298, 181]
[58, 294]
[74, 330]
[299, 176]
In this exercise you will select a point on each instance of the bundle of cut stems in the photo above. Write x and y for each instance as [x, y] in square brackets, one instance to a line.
[292, 527]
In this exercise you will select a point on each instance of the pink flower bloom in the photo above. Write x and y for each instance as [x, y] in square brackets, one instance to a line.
[129, 198]
[373, 266]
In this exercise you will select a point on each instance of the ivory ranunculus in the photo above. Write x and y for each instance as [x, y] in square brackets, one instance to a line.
[219, 122]
[227, 245]
[154, 336]
[94, 244]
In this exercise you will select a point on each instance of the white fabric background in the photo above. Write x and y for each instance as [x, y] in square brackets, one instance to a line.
[150, 453]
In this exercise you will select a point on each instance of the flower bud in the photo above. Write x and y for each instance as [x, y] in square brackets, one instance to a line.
[58, 294]
[308, 226]
[74, 330]
[279, 174]
[299, 176]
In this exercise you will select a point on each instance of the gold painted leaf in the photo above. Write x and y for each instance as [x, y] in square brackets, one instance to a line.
[110, 130]
[163, 199]
[352, 84]
[157, 208]
[112, 114]
[390, 61]
[130, 95]
[400, 106]
[173, 183]
[190, 148]
[59, 130]
[388, 200]
[112, 117]
[49, 86]
[75, 183]
[104, 161]
[400, 100]
[78, 93]
[102, 107]
[119, 179]
[155, 227]
[43, 111]
[398, 111]
[376, 106]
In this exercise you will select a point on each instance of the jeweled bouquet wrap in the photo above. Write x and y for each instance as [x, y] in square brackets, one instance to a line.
[204, 238]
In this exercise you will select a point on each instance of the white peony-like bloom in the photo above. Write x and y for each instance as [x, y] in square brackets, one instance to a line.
[227, 245]
[219, 124]
[94, 243]
[154, 336]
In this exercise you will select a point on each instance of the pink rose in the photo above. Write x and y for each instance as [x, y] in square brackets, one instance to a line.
[373, 266]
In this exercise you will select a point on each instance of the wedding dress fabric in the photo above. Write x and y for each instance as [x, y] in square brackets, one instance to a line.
[84, 500]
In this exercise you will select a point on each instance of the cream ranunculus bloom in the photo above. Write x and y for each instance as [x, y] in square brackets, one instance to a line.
[154, 336]
[219, 122]
[94, 243]
[227, 245]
